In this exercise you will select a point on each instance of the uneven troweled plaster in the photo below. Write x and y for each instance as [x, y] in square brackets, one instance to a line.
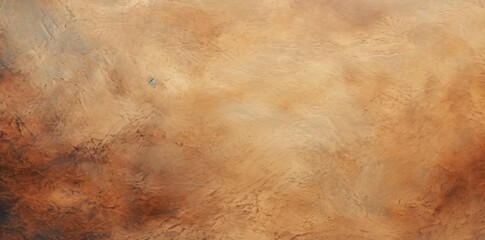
[257, 119]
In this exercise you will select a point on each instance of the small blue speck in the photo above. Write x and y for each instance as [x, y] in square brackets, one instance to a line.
[152, 82]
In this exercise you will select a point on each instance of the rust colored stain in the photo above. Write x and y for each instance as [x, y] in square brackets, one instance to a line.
[141, 119]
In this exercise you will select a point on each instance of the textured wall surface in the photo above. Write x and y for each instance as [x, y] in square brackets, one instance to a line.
[242, 119]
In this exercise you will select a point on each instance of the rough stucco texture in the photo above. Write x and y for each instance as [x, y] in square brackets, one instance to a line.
[257, 119]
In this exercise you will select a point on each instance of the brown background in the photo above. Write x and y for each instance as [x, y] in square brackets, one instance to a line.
[291, 119]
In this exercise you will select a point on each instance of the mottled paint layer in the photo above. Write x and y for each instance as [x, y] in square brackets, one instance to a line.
[204, 119]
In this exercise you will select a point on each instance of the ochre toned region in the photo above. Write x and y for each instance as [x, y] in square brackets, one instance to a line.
[257, 119]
